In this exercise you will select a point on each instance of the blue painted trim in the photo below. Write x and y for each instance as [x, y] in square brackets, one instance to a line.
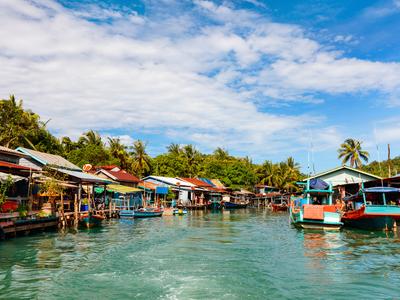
[20, 149]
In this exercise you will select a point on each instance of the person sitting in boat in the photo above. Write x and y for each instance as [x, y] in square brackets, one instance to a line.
[316, 201]
[349, 206]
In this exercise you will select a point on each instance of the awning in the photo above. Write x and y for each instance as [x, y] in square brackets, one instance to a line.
[116, 188]
[84, 177]
[15, 178]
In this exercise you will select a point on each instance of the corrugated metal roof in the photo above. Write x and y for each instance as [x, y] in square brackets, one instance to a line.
[197, 182]
[120, 175]
[170, 181]
[49, 159]
[85, 177]
[11, 152]
[14, 166]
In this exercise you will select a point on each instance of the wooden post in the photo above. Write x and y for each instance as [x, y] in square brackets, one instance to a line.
[104, 199]
[110, 207]
[89, 200]
[79, 197]
[62, 210]
[76, 210]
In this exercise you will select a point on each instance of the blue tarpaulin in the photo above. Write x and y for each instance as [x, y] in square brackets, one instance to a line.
[318, 184]
[162, 190]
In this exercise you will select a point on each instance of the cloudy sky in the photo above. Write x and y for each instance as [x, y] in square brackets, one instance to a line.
[267, 79]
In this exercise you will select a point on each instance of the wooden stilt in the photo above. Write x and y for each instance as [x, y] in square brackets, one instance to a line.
[76, 210]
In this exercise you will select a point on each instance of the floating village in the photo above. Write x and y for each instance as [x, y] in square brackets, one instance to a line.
[42, 191]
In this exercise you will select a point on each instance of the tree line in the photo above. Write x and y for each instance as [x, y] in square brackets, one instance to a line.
[21, 127]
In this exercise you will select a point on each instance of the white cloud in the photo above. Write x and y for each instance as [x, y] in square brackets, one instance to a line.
[196, 80]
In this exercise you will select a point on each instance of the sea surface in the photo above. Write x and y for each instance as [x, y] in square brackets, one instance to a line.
[242, 254]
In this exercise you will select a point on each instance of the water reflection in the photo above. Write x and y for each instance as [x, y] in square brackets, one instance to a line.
[195, 257]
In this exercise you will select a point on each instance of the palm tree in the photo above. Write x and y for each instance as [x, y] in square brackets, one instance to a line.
[91, 138]
[221, 154]
[118, 150]
[192, 158]
[17, 125]
[351, 151]
[174, 149]
[141, 160]
[266, 173]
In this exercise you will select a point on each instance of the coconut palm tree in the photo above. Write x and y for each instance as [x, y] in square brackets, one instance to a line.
[221, 154]
[192, 159]
[91, 138]
[118, 150]
[266, 173]
[141, 161]
[174, 149]
[351, 151]
[17, 125]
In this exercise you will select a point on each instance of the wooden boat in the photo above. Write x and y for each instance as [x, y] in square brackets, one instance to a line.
[147, 213]
[233, 205]
[369, 209]
[126, 213]
[214, 205]
[279, 203]
[314, 210]
[90, 220]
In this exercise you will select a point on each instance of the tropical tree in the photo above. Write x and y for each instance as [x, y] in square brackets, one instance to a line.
[16, 123]
[221, 154]
[192, 158]
[119, 151]
[351, 151]
[91, 138]
[174, 149]
[141, 161]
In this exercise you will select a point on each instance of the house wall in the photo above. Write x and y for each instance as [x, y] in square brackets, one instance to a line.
[342, 177]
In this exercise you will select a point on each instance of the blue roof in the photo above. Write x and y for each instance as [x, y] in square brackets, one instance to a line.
[208, 181]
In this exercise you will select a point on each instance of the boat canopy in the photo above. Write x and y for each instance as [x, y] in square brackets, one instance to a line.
[378, 190]
[381, 189]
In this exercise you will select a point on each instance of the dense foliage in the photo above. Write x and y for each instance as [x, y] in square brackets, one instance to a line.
[24, 128]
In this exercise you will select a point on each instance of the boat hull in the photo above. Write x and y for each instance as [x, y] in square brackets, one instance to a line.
[147, 214]
[279, 207]
[90, 221]
[231, 205]
[318, 217]
[372, 217]
[126, 213]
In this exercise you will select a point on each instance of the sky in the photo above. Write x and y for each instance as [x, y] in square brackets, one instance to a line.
[264, 79]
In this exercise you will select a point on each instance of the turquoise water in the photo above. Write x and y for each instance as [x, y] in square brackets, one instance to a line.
[243, 254]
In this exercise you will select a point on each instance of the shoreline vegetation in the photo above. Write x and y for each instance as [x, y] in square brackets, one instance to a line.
[25, 128]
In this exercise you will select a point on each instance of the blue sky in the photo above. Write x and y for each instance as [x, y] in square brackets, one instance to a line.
[260, 78]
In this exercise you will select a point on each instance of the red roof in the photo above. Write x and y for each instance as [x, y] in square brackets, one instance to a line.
[14, 166]
[109, 167]
[120, 175]
[197, 182]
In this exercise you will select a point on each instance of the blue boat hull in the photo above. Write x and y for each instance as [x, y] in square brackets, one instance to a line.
[375, 223]
[147, 214]
[232, 205]
[126, 213]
